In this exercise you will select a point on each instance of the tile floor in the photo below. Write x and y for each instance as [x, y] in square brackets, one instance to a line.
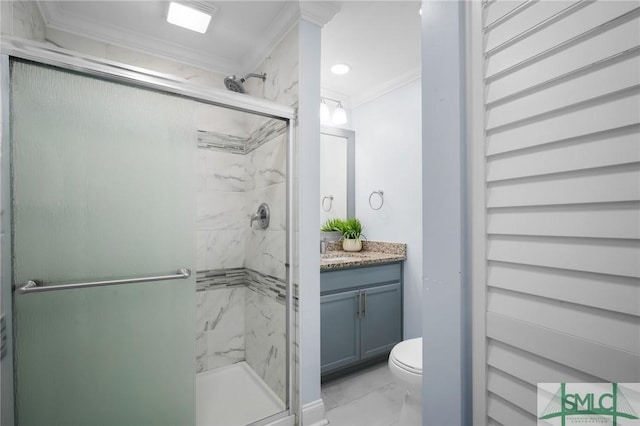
[368, 397]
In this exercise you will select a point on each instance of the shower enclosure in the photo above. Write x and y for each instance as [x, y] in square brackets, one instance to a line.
[143, 294]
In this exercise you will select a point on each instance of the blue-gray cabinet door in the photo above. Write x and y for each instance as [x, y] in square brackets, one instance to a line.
[381, 323]
[339, 330]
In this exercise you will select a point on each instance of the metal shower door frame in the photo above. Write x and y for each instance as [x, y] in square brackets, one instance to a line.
[139, 77]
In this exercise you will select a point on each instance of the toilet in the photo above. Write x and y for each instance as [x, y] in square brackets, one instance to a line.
[405, 363]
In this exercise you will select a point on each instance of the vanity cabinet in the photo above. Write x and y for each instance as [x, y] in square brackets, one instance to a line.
[360, 314]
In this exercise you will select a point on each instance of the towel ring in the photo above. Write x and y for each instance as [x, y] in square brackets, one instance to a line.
[380, 193]
[330, 198]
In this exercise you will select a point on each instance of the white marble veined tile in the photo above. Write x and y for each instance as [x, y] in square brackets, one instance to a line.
[27, 22]
[267, 165]
[202, 238]
[224, 347]
[266, 252]
[225, 249]
[220, 309]
[165, 66]
[380, 407]
[219, 171]
[220, 327]
[276, 197]
[265, 340]
[222, 120]
[355, 385]
[221, 210]
[281, 67]
[201, 351]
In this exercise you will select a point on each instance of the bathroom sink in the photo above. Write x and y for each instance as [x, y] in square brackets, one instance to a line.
[341, 257]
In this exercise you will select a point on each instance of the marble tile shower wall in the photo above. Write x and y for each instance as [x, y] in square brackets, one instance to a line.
[241, 275]
[22, 19]
[222, 221]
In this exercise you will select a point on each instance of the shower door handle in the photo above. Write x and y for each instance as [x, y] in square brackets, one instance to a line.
[33, 286]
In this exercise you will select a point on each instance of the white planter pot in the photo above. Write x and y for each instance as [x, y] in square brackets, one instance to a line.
[352, 245]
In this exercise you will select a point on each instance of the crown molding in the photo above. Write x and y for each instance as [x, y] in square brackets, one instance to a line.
[122, 37]
[386, 87]
[318, 12]
[286, 19]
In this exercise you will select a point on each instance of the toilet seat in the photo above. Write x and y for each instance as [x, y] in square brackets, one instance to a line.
[407, 355]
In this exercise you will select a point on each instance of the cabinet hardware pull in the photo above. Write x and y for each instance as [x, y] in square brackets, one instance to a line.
[364, 307]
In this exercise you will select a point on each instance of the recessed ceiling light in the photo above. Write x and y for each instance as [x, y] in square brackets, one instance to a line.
[340, 69]
[188, 17]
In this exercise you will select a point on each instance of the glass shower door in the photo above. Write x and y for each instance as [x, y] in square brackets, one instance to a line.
[102, 189]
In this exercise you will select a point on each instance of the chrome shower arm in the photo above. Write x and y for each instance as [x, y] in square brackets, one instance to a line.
[263, 76]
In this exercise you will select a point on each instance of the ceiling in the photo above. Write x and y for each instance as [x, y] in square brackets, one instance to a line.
[380, 40]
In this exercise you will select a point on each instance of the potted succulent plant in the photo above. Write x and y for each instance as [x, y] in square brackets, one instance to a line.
[352, 235]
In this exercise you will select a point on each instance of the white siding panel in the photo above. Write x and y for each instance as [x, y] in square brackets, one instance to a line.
[615, 257]
[608, 44]
[523, 21]
[618, 76]
[512, 389]
[600, 150]
[507, 414]
[597, 360]
[559, 274]
[500, 9]
[605, 327]
[574, 25]
[619, 220]
[611, 184]
[610, 114]
[532, 368]
[617, 294]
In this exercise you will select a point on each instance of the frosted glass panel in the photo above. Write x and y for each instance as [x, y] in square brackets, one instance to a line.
[103, 188]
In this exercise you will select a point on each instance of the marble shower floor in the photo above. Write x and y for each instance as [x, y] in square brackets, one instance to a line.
[369, 397]
[233, 395]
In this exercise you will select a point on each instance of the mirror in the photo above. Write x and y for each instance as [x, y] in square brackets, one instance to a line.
[337, 173]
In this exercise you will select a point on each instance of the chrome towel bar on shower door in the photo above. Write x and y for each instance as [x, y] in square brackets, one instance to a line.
[33, 286]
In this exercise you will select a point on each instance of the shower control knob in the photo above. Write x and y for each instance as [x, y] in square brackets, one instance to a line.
[262, 216]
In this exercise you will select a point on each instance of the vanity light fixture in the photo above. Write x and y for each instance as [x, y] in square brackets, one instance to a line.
[193, 15]
[339, 114]
[325, 115]
[340, 69]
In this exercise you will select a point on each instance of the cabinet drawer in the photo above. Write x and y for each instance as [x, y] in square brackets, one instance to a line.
[346, 279]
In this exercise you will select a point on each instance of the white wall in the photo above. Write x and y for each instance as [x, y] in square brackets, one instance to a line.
[308, 168]
[388, 157]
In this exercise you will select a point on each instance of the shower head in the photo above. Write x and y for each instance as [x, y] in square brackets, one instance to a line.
[236, 84]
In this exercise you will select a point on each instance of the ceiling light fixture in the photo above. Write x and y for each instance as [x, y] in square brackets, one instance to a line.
[190, 15]
[339, 114]
[340, 69]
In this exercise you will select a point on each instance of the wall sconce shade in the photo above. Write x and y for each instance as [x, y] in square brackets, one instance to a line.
[339, 114]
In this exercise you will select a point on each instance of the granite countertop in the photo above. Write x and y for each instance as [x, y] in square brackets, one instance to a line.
[373, 253]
